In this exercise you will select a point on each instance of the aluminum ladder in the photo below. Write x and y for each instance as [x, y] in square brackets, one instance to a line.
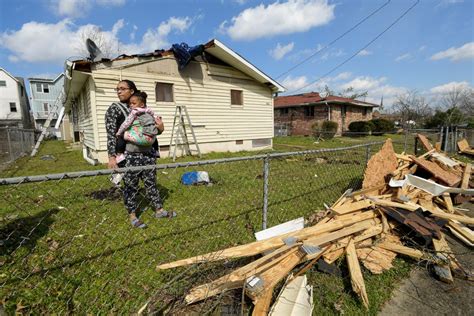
[179, 132]
[57, 103]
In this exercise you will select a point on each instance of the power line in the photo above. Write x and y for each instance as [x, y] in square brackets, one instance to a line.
[335, 40]
[357, 52]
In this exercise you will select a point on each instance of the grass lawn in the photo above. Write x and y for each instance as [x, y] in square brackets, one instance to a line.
[67, 246]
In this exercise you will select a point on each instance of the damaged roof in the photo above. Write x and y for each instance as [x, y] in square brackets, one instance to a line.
[313, 98]
[213, 47]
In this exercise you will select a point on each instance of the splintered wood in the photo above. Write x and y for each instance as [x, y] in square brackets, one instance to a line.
[362, 226]
[380, 166]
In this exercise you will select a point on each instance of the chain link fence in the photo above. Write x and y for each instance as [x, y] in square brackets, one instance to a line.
[14, 143]
[68, 246]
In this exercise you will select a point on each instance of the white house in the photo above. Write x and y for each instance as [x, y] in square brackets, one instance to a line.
[14, 106]
[229, 100]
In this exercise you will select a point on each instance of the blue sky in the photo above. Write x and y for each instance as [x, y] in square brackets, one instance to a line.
[431, 49]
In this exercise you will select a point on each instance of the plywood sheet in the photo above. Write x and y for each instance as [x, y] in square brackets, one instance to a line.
[380, 165]
[439, 173]
[424, 141]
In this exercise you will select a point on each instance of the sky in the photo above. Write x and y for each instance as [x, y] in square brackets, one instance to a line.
[302, 44]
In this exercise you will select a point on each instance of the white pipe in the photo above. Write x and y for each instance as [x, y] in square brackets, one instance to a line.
[93, 162]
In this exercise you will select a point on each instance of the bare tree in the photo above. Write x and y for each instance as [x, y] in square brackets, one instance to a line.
[347, 93]
[411, 106]
[108, 47]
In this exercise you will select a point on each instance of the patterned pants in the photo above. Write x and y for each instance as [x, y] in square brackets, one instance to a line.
[131, 181]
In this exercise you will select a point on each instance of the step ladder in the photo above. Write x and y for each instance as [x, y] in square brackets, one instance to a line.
[179, 133]
[53, 111]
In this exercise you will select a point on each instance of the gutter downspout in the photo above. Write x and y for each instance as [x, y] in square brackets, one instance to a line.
[85, 155]
[329, 110]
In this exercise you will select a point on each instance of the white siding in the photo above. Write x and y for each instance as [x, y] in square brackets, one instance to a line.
[9, 93]
[206, 96]
[85, 121]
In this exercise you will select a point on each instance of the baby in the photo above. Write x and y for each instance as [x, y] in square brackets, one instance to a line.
[138, 130]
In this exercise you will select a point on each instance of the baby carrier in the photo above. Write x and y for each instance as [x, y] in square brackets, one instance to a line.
[142, 133]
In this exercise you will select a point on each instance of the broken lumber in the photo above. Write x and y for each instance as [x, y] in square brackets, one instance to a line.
[425, 142]
[357, 280]
[464, 147]
[380, 165]
[258, 247]
[442, 269]
[449, 178]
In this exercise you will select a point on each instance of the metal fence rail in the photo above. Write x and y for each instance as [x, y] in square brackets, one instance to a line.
[68, 247]
[15, 142]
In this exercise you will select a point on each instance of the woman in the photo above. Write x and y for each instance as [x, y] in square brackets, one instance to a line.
[114, 117]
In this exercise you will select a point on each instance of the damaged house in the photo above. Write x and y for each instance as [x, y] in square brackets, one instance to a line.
[229, 100]
[299, 112]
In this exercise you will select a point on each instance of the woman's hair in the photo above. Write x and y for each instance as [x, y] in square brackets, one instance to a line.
[140, 95]
[130, 84]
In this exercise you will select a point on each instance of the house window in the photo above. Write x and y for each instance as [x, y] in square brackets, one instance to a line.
[236, 97]
[309, 111]
[164, 92]
[45, 107]
[284, 111]
[13, 107]
[45, 88]
[364, 111]
[3, 83]
[39, 87]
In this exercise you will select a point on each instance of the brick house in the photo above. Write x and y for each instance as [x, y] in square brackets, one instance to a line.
[300, 112]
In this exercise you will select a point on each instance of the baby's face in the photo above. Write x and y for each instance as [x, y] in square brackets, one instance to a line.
[136, 103]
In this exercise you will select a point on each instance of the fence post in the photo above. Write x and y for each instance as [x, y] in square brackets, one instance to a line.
[405, 145]
[367, 154]
[415, 150]
[9, 144]
[266, 170]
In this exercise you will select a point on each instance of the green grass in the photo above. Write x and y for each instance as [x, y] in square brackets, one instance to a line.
[69, 248]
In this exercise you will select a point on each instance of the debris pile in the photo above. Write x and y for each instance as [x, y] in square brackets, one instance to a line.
[402, 195]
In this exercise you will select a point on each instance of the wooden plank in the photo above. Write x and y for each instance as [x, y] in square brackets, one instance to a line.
[442, 269]
[376, 259]
[463, 230]
[449, 178]
[403, 157]
[449, 202]
[413, 253]
[236, 278]
[372, 190]
[380, 165]
[258, 247]
[352, 207]
[275, 274]
[424, 141]
[466, 176]
[357, 279]
[326, 238]
[262, 304]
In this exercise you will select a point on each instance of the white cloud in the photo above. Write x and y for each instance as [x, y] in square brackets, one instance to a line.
[363, 83]
[111, 2]
[376, 88]
[279, 18]
[364, 52]
[132, 34]
[294, 83]
[79, 8]
[450, 86]
[456, 53]
[43, 42]
[422, 48]
[342, 76]
[157, 38]
[403, 57]
[280, 51]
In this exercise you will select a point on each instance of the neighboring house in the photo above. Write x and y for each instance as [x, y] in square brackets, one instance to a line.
[229, 100]
[300, 112]
[44, 93]
[14, 105]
